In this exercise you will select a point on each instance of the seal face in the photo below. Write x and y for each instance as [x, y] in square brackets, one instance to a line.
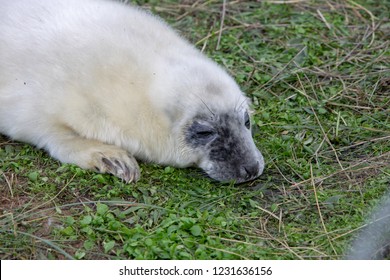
[229, 152]
[101, 84]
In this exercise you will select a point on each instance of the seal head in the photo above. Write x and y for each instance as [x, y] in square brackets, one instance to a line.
[224, 142]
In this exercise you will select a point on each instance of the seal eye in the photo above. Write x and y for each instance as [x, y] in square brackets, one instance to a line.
[201, 134]
[247, 120]
[204, 133]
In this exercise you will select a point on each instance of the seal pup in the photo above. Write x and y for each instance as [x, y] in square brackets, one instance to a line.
[373, 240]
[98, 83]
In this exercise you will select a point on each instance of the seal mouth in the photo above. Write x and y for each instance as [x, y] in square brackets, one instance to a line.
[244, 174]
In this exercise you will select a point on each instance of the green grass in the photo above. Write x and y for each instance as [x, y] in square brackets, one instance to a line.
[318, 75]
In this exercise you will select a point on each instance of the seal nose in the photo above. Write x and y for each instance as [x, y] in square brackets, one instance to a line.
[250, 170]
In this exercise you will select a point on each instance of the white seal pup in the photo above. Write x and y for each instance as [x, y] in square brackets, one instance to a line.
[98, 83]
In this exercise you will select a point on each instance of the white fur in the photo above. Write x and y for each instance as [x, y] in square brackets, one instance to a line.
[86, 78]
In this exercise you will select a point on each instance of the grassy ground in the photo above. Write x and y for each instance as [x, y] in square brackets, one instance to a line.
[318, 74]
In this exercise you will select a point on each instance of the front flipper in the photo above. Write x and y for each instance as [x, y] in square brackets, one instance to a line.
[67, 146]
[121, 165]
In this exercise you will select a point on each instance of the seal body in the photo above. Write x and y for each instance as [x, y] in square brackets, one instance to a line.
[99, 83]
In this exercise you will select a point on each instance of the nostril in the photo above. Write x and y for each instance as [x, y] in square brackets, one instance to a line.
[251, 170]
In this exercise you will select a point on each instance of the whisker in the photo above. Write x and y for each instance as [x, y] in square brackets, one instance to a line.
[204, 103]
[239, 105]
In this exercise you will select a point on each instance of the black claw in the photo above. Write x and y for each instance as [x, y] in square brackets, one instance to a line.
[114, 165]
[127, 173]
[118, 163]
[108, 162]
